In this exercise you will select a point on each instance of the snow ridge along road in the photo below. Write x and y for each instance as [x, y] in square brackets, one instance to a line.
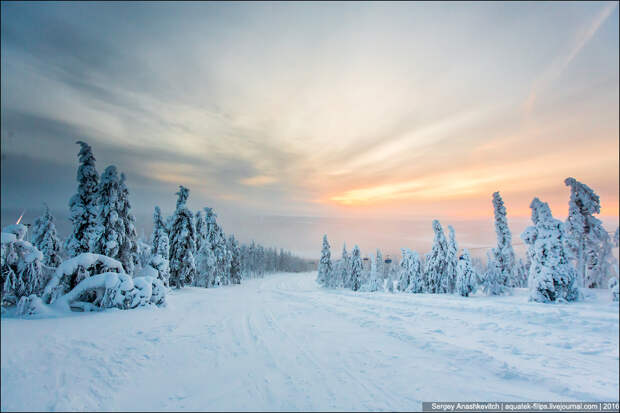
[283, 343]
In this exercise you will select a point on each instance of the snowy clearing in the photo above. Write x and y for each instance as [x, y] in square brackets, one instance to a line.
[283, 343]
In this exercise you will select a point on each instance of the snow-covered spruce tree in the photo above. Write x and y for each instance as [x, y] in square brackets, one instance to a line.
[160, 249]
[504, 253]
[405, 270]
[345, 273]
[449, 278]
[612, 284]
[21, 270]
[492, 281]
[324, 273]
[586, 239]
[83, 204]
[416, 274]
[216, 239]
[551, 278]
[110, 226]
[235, 262]
[375, 279]
[161, 242]
[466, 277]
[356, 269]
[617, 237]
[436, 261]
[46, 240]
[128, 254]
[182, 243]
[380, 265]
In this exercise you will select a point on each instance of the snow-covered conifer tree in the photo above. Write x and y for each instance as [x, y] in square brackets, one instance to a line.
[375, 279]
[493, 279]
[182, 242]
[449, 278]
[46, 240]
[612, 284]
[110, 226]
[504, 253]
[128, 254]
[324, 274]
[466, 277]
[356, 269]
[416, 274]
[586, 239]
[405, 270]
[161, 242]
[83, 204]
[345, 268]
[235, 262]
[617, 237]
[380, 265]
[551, 278]
[435, 266]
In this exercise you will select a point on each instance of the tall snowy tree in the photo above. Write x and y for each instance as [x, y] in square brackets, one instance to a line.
[46, 240]
[466, 277]
[551, 278]
[588, 242]
[416, 274]
[356, 269]
[449, 278]
[380, 265]
[375, 279]
[216, 239]
[83, 204]
[504, 253]
[110, 232]
[235, 262]
[324, 274]
[129, 248]
[406, 270]
[493, 279]
[345, 268]
[436, 260]
[161, 242]
[182, 243]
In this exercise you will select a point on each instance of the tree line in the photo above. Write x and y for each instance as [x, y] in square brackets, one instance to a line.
[561, 257]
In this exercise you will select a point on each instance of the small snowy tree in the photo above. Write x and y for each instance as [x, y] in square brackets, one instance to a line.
[612, 284]
[356, 269]
[375, 279]
[128, 254]
[587, 241]
[466, 277]
[436, 262]
[83, 204]
[344, 279]
[493, 279]
[380, 265]
[449, 278]
[21, 269]
[406, 270]
[235, 262]
[551, 278]
[161, 242]
[46, 240]
[504, 253]
[324, 274]
[110, 226]
[416, 274]
[182, 242]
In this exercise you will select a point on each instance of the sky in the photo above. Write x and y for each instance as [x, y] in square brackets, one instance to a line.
[366, 119]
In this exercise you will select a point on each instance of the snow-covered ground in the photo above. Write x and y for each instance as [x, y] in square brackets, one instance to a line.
[282, 343]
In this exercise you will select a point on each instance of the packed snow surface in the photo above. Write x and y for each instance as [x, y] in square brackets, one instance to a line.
[283, 343]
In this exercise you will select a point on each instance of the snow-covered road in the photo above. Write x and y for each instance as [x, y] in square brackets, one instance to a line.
[282, 343]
